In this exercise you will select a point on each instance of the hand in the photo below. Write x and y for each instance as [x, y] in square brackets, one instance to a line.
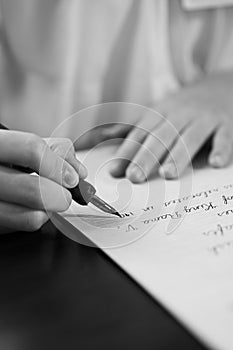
[168, 144]
[24, 198]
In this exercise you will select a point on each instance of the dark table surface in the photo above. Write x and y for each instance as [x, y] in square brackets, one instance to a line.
[57, 294]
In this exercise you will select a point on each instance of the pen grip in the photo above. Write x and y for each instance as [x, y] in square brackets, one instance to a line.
[3, 127]
[83, 192]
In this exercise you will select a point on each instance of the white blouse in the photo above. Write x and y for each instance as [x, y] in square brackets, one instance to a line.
[58, 57]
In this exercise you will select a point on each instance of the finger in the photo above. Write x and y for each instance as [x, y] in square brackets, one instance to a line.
[64, 148]
[90, 138]
[102, 133]
[17, 218]
[77, 165]
[153, 150]
[132, 144]
[31, 151]
[222, 148]
[127, 151]
[31, 191]
[186, 147]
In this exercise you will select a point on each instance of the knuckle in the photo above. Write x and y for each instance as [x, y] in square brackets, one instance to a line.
[150, 146]
[68, 148]
[166, 134]
[64, 145]
[34, 148]
[68, 142]
[35, 220]
[137, 133]
[57, 168]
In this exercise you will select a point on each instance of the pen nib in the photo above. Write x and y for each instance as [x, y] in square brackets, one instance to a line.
[117, 214]
[102, 205]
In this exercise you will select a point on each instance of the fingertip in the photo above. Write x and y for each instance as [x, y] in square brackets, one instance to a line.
[219, 160]
[222, 149]
[215, 161]
[117, 167]
[135, 174]
[168, 171]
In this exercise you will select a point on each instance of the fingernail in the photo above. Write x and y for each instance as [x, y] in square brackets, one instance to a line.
[70, 178]
[167, 171]
[216, 160]
[135, 174]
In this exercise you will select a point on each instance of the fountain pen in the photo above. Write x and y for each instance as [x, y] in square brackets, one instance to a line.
[84, 193]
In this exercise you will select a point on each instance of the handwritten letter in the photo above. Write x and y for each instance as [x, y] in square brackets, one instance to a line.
[175, 239]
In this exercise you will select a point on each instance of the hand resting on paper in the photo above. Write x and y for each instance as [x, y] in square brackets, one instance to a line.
[166, 144]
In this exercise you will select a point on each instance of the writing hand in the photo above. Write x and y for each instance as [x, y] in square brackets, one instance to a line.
[24, 199]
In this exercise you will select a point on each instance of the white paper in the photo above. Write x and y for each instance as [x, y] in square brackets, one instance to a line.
[177, 241]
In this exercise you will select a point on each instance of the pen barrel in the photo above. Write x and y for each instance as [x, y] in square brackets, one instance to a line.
[83, 192]
[3, 127]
